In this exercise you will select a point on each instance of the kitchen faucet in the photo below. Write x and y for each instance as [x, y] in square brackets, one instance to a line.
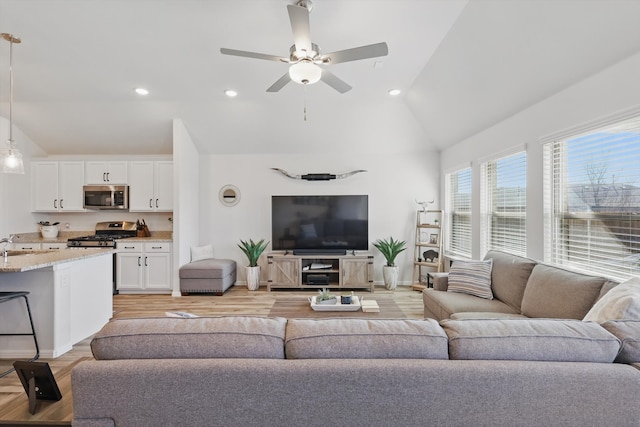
[7, 240]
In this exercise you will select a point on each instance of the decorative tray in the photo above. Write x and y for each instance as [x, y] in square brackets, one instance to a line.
[338, 306]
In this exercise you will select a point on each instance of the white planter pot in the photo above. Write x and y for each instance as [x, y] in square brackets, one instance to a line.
[390, 276]
[49, 231]
[253, 277]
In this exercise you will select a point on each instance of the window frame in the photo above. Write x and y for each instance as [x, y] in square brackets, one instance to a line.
[600, 249]
[453, 237]
[489, 176]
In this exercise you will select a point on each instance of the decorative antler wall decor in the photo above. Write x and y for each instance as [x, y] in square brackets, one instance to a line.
[318, 176]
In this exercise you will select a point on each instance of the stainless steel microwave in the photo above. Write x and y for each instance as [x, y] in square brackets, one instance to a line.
[106, 196]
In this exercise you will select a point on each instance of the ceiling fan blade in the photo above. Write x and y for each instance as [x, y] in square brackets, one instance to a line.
[282, 81]
[353, 54]
[255, 55]
[334, 82]
[299, 17]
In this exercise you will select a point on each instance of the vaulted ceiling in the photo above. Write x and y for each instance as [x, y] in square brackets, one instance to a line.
[461, 66]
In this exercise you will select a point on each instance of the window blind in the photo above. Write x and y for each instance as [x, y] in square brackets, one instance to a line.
[592, 200]
[503, 204]
[458, 213]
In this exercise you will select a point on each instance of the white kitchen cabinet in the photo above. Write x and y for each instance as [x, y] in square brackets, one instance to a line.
[56, 186]
[24, 246]
[53, 246]
[143, 267]
[151, 186]
[104, 172]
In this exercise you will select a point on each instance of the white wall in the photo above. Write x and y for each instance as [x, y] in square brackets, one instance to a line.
[186, 199]
[609, 91]
[391, 181]
[15, 190]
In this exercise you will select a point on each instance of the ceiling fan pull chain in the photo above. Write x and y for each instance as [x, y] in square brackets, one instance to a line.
[305, 103]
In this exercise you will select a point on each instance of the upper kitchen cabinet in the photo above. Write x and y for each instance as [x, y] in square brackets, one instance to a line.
[104, 172]
[151, 186]
[57, 186]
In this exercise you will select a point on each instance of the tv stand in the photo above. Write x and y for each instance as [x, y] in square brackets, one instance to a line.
[317, 271]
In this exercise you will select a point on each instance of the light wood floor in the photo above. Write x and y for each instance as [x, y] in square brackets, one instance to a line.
[236, 301]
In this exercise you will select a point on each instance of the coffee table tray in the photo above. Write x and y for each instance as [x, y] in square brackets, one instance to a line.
[354, 306]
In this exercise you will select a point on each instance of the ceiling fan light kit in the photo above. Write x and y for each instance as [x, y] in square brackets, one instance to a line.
[305, 72]
[11, 158]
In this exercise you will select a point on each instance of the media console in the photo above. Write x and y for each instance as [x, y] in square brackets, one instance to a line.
[350, 271]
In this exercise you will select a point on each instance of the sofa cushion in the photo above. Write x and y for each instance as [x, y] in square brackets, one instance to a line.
[365, 339]
[471, 277]
[441, 305]
[620, 303]
[202, 337]
[530, 339]
[561, 294]
[627, 331]
[486, 315]
[509, 276]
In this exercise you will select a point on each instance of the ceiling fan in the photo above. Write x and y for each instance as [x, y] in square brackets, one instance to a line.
[305, 57]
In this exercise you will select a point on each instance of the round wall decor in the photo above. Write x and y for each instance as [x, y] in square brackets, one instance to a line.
[229, 195]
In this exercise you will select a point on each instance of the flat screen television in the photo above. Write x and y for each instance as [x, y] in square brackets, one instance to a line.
[320, 224]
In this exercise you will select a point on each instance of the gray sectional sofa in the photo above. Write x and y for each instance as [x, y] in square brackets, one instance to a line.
[258, 371]
[520, 287]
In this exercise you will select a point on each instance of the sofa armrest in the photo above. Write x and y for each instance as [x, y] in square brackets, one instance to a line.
[440, 281]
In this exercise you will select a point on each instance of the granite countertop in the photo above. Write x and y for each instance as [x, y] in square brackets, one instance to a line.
[63, 236]
[40, 259]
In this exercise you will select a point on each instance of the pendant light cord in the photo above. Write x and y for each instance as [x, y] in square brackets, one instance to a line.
[11, 91]
[11, 39]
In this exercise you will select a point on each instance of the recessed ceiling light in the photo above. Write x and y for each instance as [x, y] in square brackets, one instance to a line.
[231, 93]
[141, 91]
[394, 92]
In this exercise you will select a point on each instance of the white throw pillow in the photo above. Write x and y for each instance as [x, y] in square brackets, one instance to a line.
[201, 252]
[620, 303]
[471, 277]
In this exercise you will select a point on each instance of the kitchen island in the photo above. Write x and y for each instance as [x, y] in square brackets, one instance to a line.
[70, 298]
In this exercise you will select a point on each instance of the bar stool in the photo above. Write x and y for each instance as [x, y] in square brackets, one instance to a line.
[8, 296]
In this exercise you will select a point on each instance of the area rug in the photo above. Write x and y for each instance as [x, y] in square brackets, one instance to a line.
[293, 307]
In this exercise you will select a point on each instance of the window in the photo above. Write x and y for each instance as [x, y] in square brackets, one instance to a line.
[503, 204]
[592, 200]
[458, 213]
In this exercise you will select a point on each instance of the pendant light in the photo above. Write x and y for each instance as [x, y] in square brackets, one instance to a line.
[11, 158]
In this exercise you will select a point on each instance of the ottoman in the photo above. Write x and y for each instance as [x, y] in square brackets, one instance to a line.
[207, 276]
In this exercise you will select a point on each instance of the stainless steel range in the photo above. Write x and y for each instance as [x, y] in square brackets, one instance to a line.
[106, 235]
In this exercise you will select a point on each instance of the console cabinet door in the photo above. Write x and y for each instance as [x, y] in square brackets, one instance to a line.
[284, 272]
[356, 272]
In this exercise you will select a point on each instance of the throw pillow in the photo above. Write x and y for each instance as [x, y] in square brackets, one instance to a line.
[471, 277]
[620, 303]
[201, 252]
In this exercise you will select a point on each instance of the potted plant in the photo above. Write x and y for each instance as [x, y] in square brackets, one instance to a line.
[325, 297]
[253, 250]
[390, 249]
